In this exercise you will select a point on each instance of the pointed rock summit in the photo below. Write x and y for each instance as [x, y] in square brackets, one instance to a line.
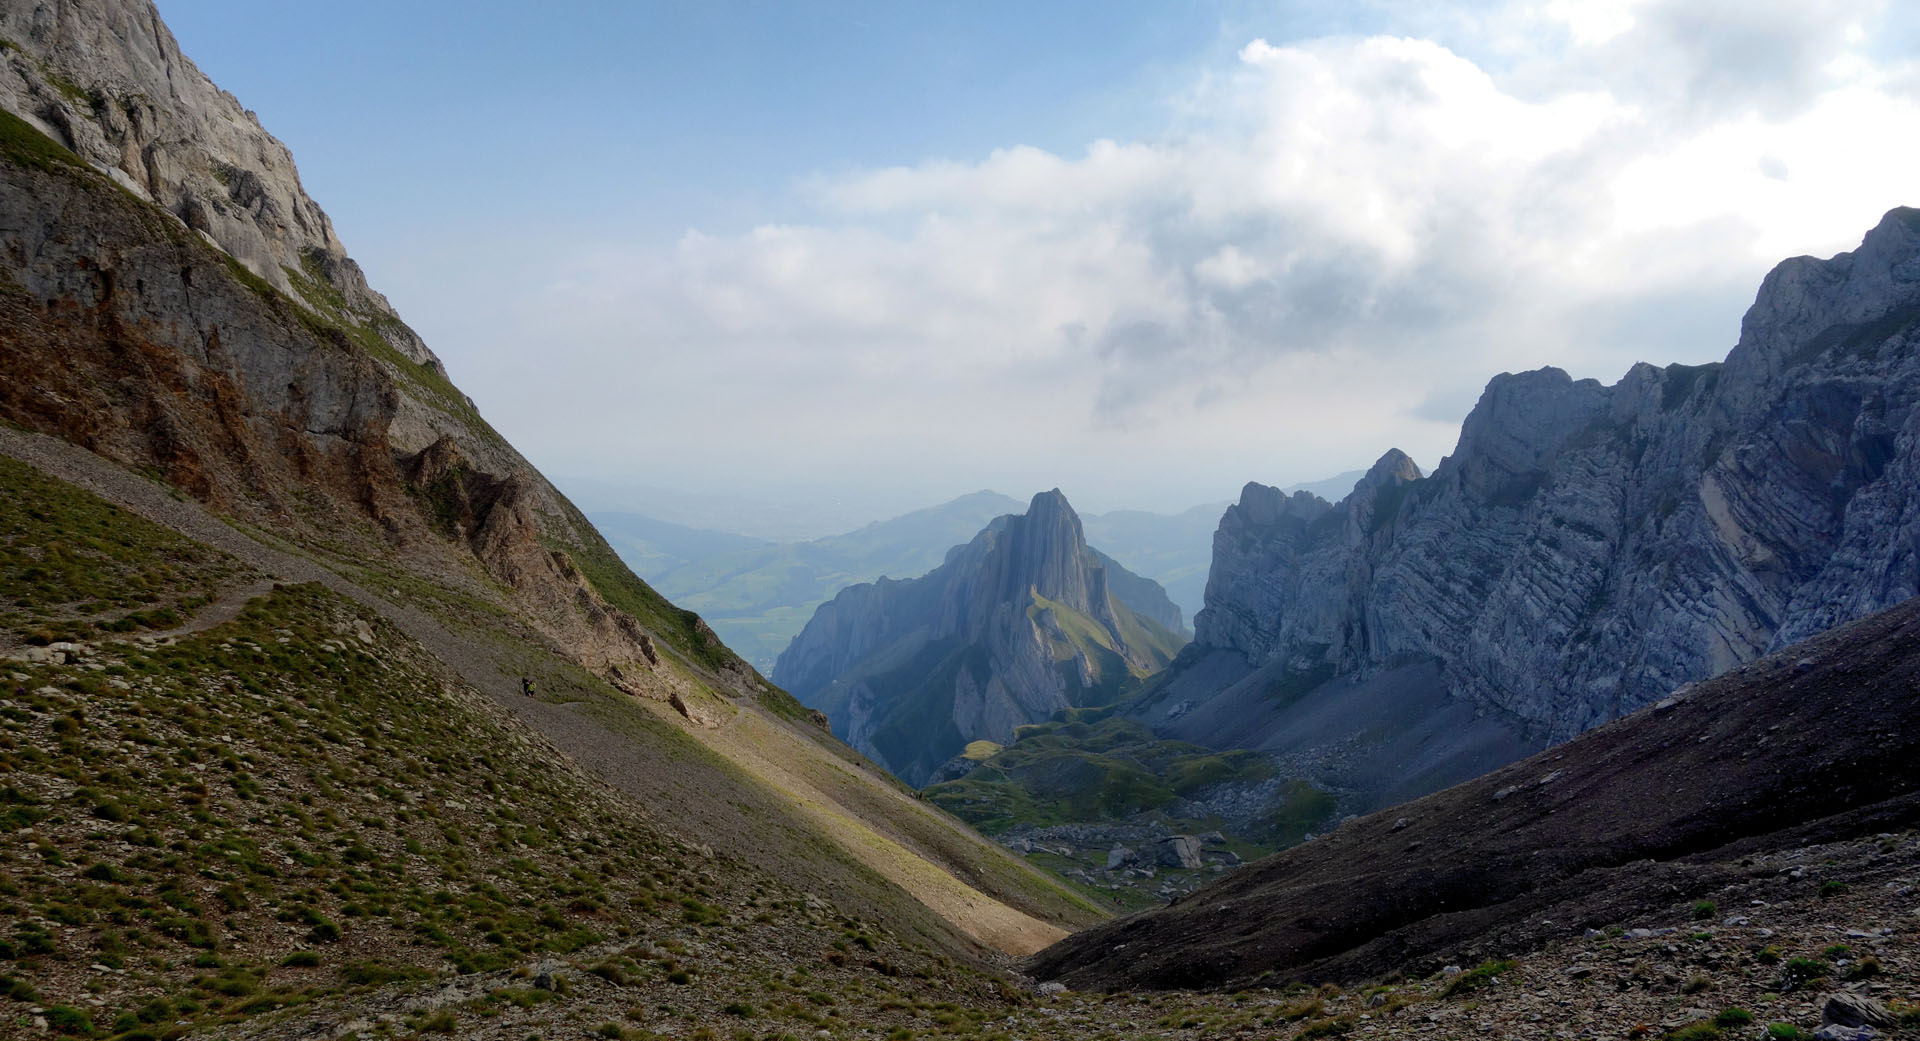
[1019, 623]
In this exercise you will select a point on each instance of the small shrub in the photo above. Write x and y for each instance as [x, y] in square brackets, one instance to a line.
[1478, 977]
[1864, 969]
[610, 972]
[1328, 1027]
[1798, 972]
[679, 977]
[1307, 1009]
[1786, 1032]
[1767, 956]
[612, 1030]
[1837, 951]
[65, 1019]
[18, 990]
[301, 960]
[104, 872]
[1832, 889]
[1696, 985]
[441, 1022]
[739, 1008]
[1699, 1031]
[1704, 910]
[1733, 1017]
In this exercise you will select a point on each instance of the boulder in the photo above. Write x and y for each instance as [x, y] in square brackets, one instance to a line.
[1848, 1009]
[1179, 851]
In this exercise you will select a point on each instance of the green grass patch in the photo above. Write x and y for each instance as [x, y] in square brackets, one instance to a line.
[1478, 978]
[24, 144]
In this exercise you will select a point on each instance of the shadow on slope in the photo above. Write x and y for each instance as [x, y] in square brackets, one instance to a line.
[1383, 738]
[1816, 743]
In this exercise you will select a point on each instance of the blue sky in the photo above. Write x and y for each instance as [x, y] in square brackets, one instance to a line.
[866, 256]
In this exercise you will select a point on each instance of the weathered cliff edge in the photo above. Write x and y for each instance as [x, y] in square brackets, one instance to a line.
[1584, 551]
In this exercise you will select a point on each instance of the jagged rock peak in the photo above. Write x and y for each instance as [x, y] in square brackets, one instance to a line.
[1805, 296]
[1264, 504]
[1044, 550]
[1395, 467]
[1024, 620]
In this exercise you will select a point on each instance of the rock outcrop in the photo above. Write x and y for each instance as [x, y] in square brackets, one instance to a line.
[1587, 549]
[106, 79]
[1019, 623]
[171, 299]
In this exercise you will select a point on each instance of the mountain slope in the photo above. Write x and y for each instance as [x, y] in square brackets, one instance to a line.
[331, 448]
[1585, 549]
[1817, 743]
[1017, 624]
[282, 802]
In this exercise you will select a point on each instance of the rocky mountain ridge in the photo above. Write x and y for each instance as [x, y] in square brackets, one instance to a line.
[1587, 549]
[1017, 624]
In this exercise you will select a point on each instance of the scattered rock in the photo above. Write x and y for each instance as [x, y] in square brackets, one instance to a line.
[1853, 1010]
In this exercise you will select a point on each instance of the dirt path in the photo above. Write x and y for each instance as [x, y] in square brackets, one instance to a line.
[225, 608]
[615, 758]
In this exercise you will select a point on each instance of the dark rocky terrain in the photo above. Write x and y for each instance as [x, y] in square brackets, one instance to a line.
[1690, 799]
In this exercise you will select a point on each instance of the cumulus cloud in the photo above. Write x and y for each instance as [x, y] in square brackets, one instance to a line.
[1337, 242]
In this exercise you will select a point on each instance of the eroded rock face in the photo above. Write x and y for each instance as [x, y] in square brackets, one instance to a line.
[294, 400]
[1019, 623]
[1587, 549]
[107, 79]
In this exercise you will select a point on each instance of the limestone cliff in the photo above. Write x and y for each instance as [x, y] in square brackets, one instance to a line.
[170, 298]
[1587, 549]
[1017, 624]
[106, 79]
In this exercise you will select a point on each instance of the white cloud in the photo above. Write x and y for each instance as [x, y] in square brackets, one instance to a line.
[1337, 234]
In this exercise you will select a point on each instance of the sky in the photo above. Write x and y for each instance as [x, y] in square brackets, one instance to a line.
[850, 258]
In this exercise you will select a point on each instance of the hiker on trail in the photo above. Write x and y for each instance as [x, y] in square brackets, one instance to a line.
[526, 686]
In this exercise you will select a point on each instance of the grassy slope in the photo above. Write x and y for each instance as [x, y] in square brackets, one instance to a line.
[302, 804]
[717, 789]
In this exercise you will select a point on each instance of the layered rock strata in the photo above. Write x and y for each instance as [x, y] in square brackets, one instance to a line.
[1587, 549]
